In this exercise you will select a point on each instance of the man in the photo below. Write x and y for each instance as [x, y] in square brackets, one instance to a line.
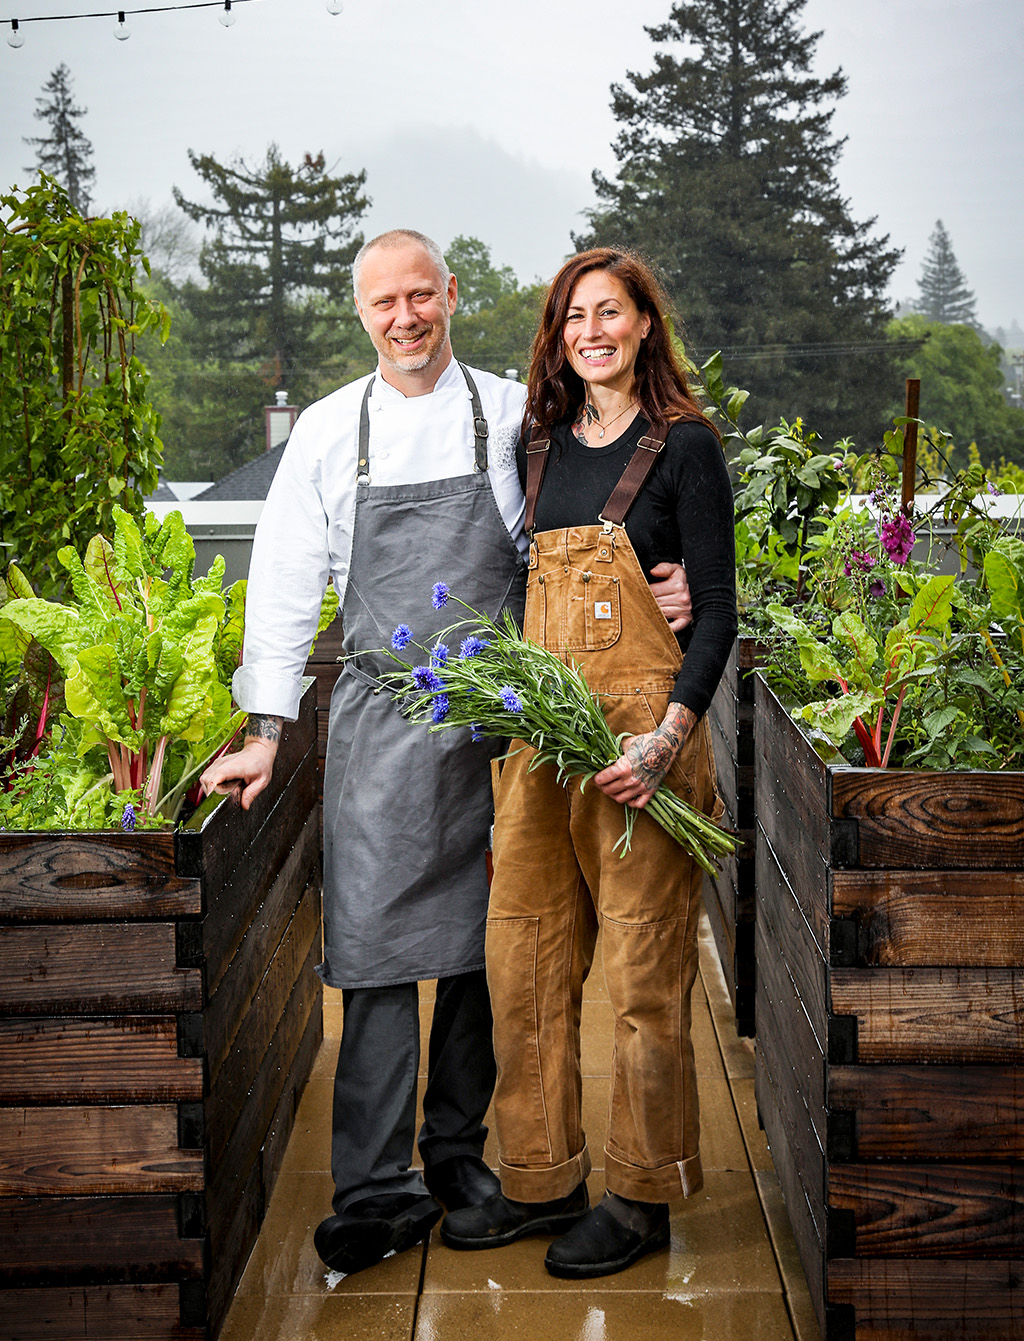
[388, 485]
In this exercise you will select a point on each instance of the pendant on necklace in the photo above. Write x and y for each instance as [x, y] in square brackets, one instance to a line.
[600, 432]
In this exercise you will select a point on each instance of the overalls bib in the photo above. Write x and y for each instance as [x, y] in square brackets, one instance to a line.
[407, 811]
[557, 878]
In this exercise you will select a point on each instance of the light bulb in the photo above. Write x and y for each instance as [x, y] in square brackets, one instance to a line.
[122, 32]
[225, 16]
[17, 37]
[334, 6]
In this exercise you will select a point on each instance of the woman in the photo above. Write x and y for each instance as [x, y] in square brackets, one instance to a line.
[621, 472]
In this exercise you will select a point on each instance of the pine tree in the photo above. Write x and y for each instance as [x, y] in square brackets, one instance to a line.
[943, 294]
[726, 182]
[283, 245]
[66, 153]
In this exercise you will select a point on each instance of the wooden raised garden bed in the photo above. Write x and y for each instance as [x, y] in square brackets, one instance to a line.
[159, 1015]
[729, 898]
[890, 1032]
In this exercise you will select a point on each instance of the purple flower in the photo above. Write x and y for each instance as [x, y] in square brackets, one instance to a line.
[510, 699]
[440, 709]
[401, 638]
[991, 488]
[472, 646]
[439, 596]
[128, 817]
[876, 589]
[439, 655]
[897, 539]
[424, 678]
[859, 559]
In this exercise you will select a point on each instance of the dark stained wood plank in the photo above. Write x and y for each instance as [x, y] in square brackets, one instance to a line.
[927, 1112]
[230, 1251]
[953, 1015]
[275, 1142]
[95, 1151]
[786, 1035]
[791, 798]
[93, 967]
[128, 1059]
[86, 877]
[931, 1210]
[226, 1012]
[792, 938]
[229, 1173]
[915, 817]
[258, 1026]
[927, 1300]
[934, 917]
[99, 1313]
[232, 906]
[83, 1240]
[805, 1230]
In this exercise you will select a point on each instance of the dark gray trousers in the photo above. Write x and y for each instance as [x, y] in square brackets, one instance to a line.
[375, 1085]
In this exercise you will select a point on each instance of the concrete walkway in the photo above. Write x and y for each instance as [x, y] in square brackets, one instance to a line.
[731, 1274]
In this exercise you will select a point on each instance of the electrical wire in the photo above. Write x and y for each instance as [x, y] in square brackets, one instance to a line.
[115, 13]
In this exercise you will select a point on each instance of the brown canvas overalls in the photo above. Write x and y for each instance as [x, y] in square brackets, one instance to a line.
[557, 880]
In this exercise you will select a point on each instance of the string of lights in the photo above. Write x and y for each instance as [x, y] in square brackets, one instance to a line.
[16, 38]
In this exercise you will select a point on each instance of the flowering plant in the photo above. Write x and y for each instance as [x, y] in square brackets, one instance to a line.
[502, 685]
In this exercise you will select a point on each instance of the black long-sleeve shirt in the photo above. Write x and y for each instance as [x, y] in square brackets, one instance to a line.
[684, 514]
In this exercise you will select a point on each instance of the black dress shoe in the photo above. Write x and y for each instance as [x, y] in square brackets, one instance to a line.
[461, 1181]
[612, 1237]
[373, 1228]
[499, 1221]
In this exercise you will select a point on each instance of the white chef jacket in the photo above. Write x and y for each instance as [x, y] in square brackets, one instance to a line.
[304, 533]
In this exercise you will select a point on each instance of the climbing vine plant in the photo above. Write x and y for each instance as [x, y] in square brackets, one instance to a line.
[77, 434]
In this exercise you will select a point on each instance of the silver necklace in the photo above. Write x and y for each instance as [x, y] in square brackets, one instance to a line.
[590, 411]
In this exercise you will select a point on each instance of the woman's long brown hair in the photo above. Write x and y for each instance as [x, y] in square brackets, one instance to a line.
[555, 391]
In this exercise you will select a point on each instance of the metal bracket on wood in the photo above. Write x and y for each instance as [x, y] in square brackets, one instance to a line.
[842, 1040]
[190, 1034]
[191, 1216]
[840, 1233]
[841, 1137]
[843, 942]
[192, 1303]
[191, 1127]
[845, 843]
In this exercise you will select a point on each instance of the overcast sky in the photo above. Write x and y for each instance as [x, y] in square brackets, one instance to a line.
[487, 119]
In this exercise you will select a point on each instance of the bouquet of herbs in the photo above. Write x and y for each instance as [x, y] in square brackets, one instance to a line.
[502, 685]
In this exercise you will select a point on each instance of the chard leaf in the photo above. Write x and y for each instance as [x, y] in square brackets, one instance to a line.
[834, 717]
[56, 627]
[850, 629]
[94, 692]
[932, 607]
[99, 565]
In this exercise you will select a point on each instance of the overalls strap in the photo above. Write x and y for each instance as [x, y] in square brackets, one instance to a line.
[479, 429]
[634, 477]
[536, 462]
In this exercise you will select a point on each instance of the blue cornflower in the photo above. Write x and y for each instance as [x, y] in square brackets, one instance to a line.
[128, 817]
[439, 597]
[401, 638]
[439, 655]
[472, 646]
[477, 734]
[424, 678]
[510, 699]
[440, 709]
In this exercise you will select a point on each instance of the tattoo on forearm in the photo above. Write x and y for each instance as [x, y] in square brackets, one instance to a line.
[652, 755]
[266, 728]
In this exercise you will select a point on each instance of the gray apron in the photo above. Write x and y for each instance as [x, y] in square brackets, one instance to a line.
[407, 811]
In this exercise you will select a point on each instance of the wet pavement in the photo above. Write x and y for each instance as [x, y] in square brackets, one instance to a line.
[731, 1273]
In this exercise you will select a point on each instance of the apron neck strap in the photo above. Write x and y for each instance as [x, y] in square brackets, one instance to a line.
[634, 477]
[479, 429]
[536, 463]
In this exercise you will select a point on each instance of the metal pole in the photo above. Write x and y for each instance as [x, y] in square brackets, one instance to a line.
[910, 443]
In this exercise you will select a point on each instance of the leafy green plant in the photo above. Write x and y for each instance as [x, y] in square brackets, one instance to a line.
[138, 644]
[77, 433]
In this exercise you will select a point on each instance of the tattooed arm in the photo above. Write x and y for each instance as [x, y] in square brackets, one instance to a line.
[252, 766]
[635, 777]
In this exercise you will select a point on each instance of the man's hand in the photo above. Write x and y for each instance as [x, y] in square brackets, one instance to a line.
[634, 778]
[252, 766]
[672, 592]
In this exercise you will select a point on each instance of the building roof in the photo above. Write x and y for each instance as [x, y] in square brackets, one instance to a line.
[251, 481]
[162, 494]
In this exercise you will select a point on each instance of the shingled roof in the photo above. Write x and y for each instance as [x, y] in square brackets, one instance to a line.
[251, 481]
